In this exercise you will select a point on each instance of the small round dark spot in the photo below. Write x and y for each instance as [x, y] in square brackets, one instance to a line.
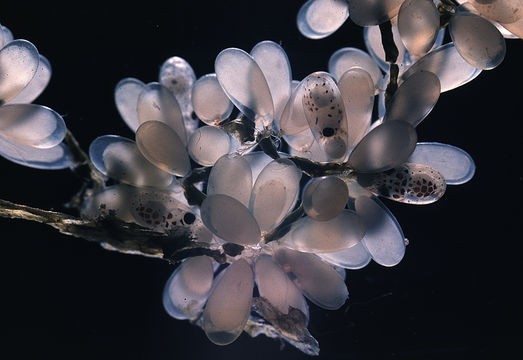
[189, 218]
[327, 132]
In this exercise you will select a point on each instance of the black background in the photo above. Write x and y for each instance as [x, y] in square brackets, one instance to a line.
[455, 295]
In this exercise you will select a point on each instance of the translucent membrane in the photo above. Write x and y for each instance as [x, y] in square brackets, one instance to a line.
[384, 238]
[274, 193]
[53, 158]
[159, 144]
[409, 183]
[209, 101]
[112, 200]
[477, 40]
[188, 288]
[373, 12]
[243, 81]
[314, 153]
[177, 75]
[275, 286]
[348, 58]
[355, 257]
[18, 64]
[156, 102]
[5, 36]
[274, 63]
[418, 24]
[37, 85]
[207, 144]
[502, 11]
[414, 99]
[318, 281]
[32, 125]
[257, 160]
[229, 305]
[231, 175]
[456, 166]
[385, 147]
[300, 142]
[341, 232]
[325, 113]
[320, 18]
[445, 61]
[293, 120]
[230, 220]
[120, 159]
[357, 91]
[324, 198]
[126, 95]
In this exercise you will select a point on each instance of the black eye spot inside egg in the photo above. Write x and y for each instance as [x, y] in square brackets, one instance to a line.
[327, 131]
[189, 218]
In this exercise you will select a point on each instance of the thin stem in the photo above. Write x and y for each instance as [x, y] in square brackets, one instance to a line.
[391, 56]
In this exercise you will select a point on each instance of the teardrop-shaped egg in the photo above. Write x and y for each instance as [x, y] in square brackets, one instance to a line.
[230, 220]
[229, 305]
[243, 81]
[357, 91]
[318, 281]
[502, 11]
[418, 24]
[293, 120]
[188, 288]
[414, 99]
[120, 159]
[325, 113]
[114, 200]
[157, 103]
[384, 238]
[275, 286]
[373, 12]
[445, 62]
[477, 40]
[210, 102]
[274, 193]
[159, 144]
[207, 144]
[126, 95]
[385, 147]
[409, 183]
[18, 65]
[231, 175]
[37, 85]
[177, 75]
[349, 58]
[456, 166]
[355, 257]
[32, 125]
[324, 198]
[318, 19]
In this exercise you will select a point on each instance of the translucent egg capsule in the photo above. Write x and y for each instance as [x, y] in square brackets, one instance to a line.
[177, 75]
[120, 159]
[18, 65]
[384, 239]
[325, 113]
[502, 11]
[414, 99]
[37, 85]
[386, 146]
[32, 125]
[300, 142]
[230, 220]
[207, 144]
[456, 166]
[159, 144]
[275, 286]
[446, 62]
[477, 40]
[355, 257]
[318, 281]
[318, 19]
[231, 175]
[229, 305]
[373, 12]
[243, 81]
[348, 58]
[409, 183]
[126, 95]
[209, 101]
[53, 158]
[418, 25]
[156, 102]
[274, 193]
[324, 198]
[293, 120]
[341, 232]
[188, 288]
[357, 91]
[112, 200]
